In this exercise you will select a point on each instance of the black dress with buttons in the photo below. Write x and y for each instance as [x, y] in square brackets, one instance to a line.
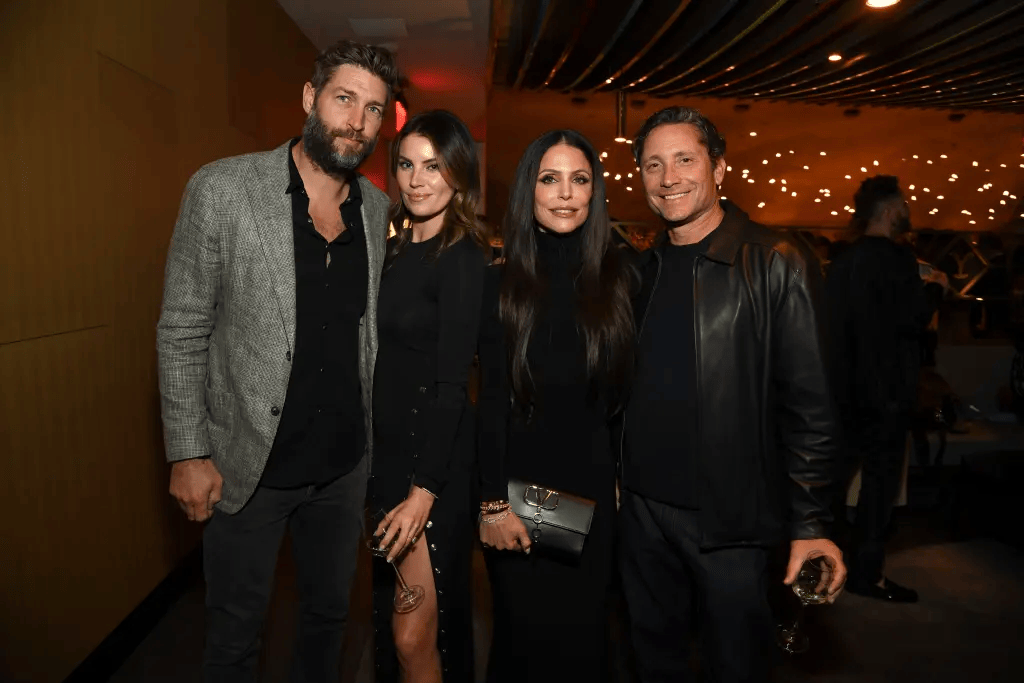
[549, 615]
[428, 315]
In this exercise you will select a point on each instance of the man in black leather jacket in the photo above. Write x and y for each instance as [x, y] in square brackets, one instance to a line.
[729, 444]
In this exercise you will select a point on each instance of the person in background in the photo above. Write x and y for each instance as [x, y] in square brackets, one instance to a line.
[424, 427]
[880, 303]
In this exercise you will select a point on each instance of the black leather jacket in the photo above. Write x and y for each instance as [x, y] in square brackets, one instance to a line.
[768, 448]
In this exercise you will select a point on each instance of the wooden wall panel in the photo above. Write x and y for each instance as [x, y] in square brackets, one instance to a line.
[265, 81]
[108, 107]
[50, 260]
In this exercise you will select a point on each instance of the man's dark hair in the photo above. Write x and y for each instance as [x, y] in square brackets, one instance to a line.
[377, 60]
[706, 131]
[872, 197]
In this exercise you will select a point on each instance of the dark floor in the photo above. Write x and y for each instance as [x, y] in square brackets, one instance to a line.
[967, 625]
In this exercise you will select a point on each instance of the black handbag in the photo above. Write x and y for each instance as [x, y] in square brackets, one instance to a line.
[558, 523]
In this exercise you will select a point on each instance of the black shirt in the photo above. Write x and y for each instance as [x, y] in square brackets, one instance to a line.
[322, 434]
[661, 427]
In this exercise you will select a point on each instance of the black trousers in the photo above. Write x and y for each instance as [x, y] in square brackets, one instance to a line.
[879, 448]
[240, 553]
[674, 591]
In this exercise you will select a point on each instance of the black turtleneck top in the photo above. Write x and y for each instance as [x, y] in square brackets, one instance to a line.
[561, 440]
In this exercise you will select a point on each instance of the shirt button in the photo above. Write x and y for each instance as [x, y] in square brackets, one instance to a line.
[415, 455]
[414, 411]
[324, 326]
[321, 369]
[288, 355]
[275, 411]
[308, 219]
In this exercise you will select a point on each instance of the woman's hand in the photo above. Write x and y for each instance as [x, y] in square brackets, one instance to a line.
[504, 534]
[405, 522]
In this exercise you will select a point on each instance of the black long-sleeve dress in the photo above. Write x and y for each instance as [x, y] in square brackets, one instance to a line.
[549, 616]
[428, 317]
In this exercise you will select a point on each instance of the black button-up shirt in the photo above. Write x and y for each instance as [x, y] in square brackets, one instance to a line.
[322, 434]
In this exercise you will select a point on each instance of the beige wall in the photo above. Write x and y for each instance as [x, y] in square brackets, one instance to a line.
[106, 108]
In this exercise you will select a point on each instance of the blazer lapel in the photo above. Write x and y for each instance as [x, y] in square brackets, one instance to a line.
[272, 212]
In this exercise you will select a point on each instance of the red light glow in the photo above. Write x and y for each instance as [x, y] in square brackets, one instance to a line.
[400, 116]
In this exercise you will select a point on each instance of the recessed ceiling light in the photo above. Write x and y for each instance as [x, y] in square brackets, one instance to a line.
[879, 4]
[835, 57]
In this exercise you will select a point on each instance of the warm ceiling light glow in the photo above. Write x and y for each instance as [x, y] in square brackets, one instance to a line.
[879, 4]
[761, 205]
[753, 134]
[835, 57]
[620, 139]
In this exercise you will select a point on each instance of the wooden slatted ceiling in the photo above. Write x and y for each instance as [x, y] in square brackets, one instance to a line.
[944, 54]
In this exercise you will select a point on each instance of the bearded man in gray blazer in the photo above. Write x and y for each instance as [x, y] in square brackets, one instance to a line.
[266, 346]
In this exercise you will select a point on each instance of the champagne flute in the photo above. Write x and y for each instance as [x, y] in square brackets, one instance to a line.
[409, 597]
[811, 587]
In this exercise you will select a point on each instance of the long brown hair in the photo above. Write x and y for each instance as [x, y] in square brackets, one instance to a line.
[604, 311]
[460, 167]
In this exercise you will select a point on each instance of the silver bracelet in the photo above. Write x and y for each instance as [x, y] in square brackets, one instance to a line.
[497, 518]
[428, 491]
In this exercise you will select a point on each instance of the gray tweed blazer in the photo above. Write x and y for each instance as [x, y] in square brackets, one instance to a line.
[227, 326]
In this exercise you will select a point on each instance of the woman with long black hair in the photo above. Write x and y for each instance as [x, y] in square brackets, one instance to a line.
[556, 344]
[428, 316]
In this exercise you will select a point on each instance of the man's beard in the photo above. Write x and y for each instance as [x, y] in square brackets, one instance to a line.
[318, 142]
[901, 227]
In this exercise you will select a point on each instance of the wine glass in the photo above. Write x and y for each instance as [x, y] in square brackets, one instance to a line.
[811, 587]
[409, 597]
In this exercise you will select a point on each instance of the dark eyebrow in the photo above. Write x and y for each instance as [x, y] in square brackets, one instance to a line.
[552, 170]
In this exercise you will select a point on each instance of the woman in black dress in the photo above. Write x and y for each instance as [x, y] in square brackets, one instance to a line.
[428, 316]
[555, 351]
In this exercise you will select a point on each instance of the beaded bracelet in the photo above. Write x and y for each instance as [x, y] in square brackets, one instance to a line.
[494, 506]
